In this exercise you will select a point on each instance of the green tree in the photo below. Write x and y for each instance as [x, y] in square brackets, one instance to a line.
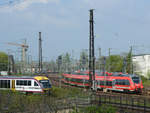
[3, 61]
[83, 60]
[114, 63]
[99, 63]
[52, 66]
[129, 62]
[148, 74]
[66, 62]
[59, 62]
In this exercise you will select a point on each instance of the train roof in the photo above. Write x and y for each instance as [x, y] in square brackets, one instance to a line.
[123, 75]
[26, 77]
[98, 73]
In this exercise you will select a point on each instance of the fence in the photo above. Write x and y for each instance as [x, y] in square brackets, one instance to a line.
[127, 102]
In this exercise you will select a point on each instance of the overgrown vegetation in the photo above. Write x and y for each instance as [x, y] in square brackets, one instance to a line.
[145, 81]
[68, 92]
[18, 102]
[96, 109]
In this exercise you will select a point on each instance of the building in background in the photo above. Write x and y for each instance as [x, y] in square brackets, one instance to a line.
[141, 64]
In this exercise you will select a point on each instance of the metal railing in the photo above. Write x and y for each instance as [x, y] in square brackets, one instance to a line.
[129, 102]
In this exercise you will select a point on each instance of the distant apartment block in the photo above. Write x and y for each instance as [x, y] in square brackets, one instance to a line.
[141, 64]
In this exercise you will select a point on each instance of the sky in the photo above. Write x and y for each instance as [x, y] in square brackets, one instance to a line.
[118, 24]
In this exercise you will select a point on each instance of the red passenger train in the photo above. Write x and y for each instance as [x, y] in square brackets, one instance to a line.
[110, 81]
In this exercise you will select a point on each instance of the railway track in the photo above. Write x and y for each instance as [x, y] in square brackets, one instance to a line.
[55, 79]
[134, 102]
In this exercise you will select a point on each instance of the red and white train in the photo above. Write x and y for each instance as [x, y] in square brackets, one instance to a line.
[110, 81]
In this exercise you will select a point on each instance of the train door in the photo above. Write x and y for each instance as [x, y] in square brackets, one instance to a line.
[13, 85]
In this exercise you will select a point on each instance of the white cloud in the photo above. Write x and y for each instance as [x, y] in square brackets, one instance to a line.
[24, 4]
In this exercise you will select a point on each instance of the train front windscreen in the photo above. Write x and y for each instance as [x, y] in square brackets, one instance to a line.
[45, 83]
[136, 80]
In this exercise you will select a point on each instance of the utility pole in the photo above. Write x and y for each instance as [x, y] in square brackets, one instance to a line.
[40, 53]
[8, 65]
[91, 53]
[104, 72]
[124, 65]
[100, 59]
[131, 63]
[109, 59]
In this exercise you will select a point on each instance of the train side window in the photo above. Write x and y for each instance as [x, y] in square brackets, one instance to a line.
[8, 83]
[98, 82]
[25, 82]
[113, 82]
[109, 83]
[86, 81]
[121, 82]
[80, 80]
[77, 80]
[17, 82]
[4, 83]
[29, 82]
[117, 82]
[102, 83]
[127, 82]
[21, 82]
[1, 83]
[35, 84]
[67, 79]
[71, 79]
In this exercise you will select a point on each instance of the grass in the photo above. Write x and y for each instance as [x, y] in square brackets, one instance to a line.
[68, 92]
[96, 109]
